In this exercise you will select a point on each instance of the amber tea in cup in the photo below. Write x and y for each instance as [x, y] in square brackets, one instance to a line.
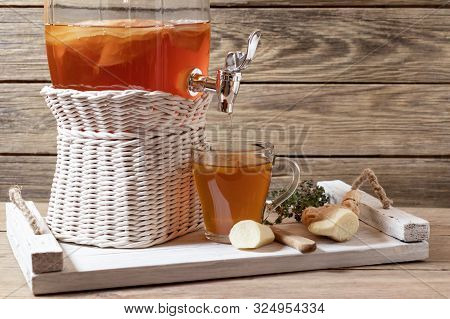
[233, 184]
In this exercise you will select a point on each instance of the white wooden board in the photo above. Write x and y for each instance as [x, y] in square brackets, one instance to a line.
[392, 221]
[192, 258]
[35, 253]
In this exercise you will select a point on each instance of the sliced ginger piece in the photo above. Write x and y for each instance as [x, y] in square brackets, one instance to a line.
[248, 234]
[340, 225]
[340, 222]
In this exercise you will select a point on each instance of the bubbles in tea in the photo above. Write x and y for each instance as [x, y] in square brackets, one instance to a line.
[124, 54]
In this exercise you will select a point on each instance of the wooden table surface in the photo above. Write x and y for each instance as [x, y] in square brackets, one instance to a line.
[426, 279]
[338, 85]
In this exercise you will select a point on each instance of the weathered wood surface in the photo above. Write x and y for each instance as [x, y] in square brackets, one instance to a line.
[40, 206]
[327, 3]
[438, 218]
[89, 268]
[430, 279]
[401, 120]
[278, 3]
[293, 240]
[407, 181]
[391, 221]
[299, 119]
[36, 253]
[299, 44]
[379, 42]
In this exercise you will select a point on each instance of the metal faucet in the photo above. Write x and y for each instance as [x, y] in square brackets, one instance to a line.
[228, 80]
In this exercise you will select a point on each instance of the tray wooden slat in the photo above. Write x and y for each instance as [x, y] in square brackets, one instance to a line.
[392, 221]
[192, 258]
[35, 253]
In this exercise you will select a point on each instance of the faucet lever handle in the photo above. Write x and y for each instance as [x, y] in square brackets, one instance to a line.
[239, 61]
[228, 79]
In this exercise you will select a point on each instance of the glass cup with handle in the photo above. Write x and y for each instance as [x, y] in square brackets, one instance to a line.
[233, 183]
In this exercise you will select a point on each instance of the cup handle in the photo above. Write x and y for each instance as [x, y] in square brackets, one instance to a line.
[270, 207]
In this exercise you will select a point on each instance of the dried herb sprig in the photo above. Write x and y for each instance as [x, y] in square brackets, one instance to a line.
[307, 195]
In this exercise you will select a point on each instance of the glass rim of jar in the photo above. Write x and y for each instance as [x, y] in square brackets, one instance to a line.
[225, 147]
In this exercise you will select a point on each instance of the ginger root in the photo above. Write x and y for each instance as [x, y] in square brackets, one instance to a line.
[248, 234]
[340, 221]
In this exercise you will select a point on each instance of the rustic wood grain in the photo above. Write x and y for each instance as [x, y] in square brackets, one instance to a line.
[34, 173]
[429, 279]
[326, 3]
[283, 3]
[26, 124]
[439, 219]
[367, 283]
[320, 45]
[143, 267]
[391, 221]
[299, 119]
[410, 182]
[342, 119]
[40, 206]
[38, 253]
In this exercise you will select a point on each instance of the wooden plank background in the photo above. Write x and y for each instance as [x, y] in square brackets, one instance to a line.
[339, 85]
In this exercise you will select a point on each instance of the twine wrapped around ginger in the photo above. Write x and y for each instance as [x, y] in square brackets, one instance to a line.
[15, 195]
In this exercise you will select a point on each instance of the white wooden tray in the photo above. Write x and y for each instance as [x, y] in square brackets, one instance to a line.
[192, 258]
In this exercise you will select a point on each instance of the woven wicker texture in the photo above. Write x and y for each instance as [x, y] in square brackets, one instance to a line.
[123, 175]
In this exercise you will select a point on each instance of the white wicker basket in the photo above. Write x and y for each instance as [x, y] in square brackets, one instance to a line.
[123, 175]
